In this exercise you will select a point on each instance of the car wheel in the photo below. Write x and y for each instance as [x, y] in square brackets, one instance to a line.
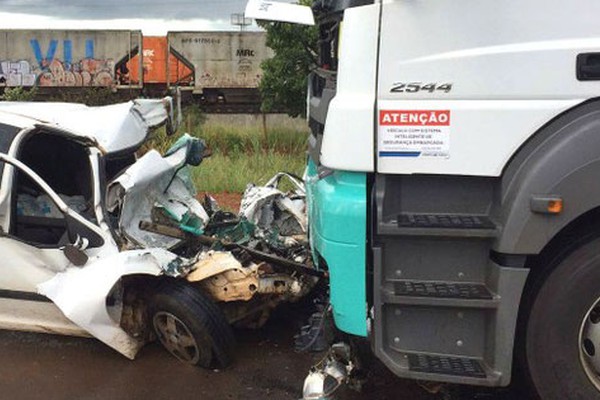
[562, 335]
[190, 326]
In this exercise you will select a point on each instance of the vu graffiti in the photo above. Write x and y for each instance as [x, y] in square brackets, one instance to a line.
[52, 71]
[44, 62]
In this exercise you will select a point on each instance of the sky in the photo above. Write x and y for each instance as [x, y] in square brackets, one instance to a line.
[153, 17]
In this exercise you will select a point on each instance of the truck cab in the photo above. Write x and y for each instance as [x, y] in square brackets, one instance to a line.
[452, 188]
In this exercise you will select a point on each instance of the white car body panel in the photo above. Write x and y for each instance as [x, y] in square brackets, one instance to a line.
[81, 293]
[115, 128]
[36, 316]
[27, 266]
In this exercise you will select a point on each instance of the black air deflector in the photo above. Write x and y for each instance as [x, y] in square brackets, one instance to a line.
[333, 6]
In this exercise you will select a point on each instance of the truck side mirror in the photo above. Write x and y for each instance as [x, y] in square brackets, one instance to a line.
[279, 12]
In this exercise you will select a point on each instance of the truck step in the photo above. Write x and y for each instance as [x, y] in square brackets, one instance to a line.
[445, 221]
[454, 290]
[440, 294]
[454, 225]
[445, 365]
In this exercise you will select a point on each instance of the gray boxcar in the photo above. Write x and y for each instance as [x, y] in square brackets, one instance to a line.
[67, 58]
[224, 63]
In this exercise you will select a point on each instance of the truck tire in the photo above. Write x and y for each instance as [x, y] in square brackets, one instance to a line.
[562, 330]
[190, 326]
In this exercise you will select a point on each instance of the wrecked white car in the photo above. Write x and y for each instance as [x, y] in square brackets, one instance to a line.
[99, 243]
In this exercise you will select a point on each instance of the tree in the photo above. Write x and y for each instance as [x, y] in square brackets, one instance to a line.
[284, 81]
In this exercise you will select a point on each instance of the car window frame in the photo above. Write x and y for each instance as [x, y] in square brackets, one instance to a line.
[69, 214]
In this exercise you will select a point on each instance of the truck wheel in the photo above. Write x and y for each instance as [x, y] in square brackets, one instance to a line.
[562, 336]
[190, 326]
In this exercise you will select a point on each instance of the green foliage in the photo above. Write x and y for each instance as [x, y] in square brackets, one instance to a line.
[284, 81]
[18, 94]
[221, 173]
[193, 117]
[245, 155]
[192, 121]
[240, 154]
[91, 96]
[232, 140]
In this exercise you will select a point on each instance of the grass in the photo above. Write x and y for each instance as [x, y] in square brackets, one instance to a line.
[242, 153]
[232, 173]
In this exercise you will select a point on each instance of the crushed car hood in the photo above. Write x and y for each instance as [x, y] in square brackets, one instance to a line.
[156, 184]
[114, 128]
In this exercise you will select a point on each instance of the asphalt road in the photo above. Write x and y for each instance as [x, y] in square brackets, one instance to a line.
[37, 366]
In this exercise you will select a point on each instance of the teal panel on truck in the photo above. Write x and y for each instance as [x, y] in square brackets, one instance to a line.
[337, 207]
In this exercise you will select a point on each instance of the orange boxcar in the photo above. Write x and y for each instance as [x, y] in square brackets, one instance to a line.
[155, 67]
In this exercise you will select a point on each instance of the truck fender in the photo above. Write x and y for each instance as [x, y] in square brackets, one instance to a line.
[561, 161]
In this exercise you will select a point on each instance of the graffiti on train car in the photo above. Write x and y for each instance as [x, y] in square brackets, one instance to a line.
[242, 75]
[16, 73]
[221, 60]
[49, 70]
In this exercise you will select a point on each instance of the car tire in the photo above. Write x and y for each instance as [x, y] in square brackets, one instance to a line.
[190, 326]
[559, 358]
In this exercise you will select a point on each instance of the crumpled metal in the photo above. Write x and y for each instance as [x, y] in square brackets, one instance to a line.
[115, 128]
[156, 183]
[271, 209]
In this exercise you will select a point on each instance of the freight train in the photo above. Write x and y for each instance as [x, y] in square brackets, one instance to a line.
[219, 70]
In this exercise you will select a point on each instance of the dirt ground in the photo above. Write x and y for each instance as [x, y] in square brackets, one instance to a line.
[37, 366]
[228, 201]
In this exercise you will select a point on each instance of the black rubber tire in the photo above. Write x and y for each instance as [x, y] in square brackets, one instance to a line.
[552, 326]
[202, 318]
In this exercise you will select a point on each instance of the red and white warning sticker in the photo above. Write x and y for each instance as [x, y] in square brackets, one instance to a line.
[414, 133]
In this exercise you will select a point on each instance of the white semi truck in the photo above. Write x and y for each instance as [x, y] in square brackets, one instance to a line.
[453, 181]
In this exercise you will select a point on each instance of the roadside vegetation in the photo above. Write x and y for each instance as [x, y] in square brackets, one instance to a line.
[251, 151]
[18, 94]
[285, 75]
[241, 154]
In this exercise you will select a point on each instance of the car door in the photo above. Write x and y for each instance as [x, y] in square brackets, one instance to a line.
[33, 250]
